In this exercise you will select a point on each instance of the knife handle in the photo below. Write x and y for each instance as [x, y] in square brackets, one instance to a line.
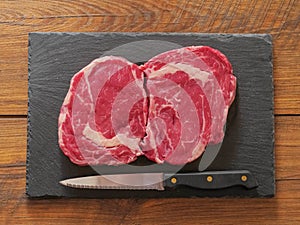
[211, 179]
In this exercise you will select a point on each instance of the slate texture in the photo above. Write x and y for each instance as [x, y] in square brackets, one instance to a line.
[249, 141]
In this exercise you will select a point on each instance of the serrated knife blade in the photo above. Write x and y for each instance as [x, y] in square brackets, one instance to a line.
[144, 181]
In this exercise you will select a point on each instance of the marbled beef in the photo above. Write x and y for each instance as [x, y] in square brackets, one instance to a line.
[88, 134]
[168, 109]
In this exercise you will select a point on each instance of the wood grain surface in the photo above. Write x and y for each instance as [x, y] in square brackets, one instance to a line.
[277, 17]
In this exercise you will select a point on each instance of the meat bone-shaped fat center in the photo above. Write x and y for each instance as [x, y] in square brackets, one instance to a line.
[168, 109]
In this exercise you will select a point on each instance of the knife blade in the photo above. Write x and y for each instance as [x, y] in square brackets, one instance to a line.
[160, 181]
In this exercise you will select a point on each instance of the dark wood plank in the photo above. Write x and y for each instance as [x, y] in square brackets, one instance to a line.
[280, 18]
[12, 141]
[16, 208]
[287, 139]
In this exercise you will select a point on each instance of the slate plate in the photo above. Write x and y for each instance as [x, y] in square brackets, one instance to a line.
[249, 142]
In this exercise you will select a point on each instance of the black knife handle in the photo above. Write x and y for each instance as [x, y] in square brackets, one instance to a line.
[211, 179]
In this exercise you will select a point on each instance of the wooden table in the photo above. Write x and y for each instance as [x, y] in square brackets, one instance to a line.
[280, 18]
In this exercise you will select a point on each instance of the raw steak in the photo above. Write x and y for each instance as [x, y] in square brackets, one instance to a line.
[88, 131]
[190, 90]
[168, 109]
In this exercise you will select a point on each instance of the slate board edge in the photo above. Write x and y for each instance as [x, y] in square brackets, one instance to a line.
[273, 108]
[266, 37]
[28, 120]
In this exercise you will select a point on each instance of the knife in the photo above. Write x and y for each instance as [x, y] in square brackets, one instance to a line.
[160, 181]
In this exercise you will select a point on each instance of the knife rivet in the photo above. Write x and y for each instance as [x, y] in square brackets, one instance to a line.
[244, 178]
[173, 180]
[209, 178]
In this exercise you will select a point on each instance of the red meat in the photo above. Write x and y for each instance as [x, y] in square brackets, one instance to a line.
[198, 84]
[168, 109]
[88, 132]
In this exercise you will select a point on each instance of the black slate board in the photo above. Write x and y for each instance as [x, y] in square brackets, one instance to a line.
[249, 142]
